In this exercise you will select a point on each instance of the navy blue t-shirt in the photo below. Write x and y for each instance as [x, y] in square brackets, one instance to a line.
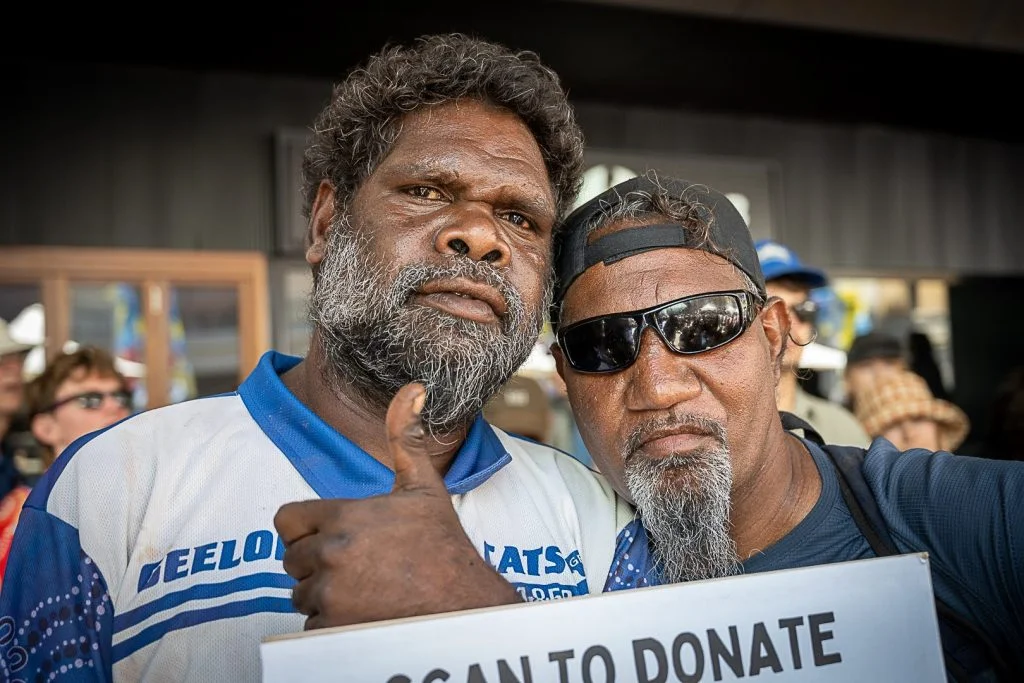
[967, 513]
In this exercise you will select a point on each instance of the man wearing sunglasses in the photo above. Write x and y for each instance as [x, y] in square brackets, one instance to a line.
[671, 350]
[787, 278]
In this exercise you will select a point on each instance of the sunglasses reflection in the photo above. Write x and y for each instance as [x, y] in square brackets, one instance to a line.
[689, 325]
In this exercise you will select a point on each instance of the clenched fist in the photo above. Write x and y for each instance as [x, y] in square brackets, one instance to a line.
[397, 555]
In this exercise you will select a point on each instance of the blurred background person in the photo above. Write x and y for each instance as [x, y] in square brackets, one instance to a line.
[789, 279]
[923, 363]
[12, 360]
[77, 393]
[871, 355]
[899, 407]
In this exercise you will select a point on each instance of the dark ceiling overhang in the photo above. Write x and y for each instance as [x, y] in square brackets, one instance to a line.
[603, 53]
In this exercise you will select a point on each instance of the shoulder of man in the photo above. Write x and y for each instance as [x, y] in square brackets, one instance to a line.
[77, 528]
[552, 463]
[101, 484]
[925, 486]
[966, 513]
[161, 436]
[585, 499]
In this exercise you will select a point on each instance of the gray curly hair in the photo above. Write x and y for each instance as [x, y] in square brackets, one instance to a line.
[357, 129]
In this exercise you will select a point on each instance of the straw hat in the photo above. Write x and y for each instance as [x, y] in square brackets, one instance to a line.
[8, 344]
[901, 395]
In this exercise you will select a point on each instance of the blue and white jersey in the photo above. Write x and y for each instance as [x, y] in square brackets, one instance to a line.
[148, 551]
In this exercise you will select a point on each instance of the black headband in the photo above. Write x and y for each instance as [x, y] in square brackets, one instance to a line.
[729, 236]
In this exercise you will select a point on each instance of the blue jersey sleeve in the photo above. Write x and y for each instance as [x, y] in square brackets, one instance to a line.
[56, 617]
[634, 565]
[968, 514]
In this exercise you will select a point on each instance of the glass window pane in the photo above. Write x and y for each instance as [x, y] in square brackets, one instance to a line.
[16, 297]
[294, 330]
[109, 316]
[873, 303]
[204, 341]
[916, 312]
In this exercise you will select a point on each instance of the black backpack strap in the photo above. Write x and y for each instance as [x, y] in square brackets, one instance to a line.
[968, 652]
[791, 422]
[847, 461]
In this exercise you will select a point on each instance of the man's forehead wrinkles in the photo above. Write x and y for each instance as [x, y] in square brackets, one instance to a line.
[657, 289]
[438, 164]
[516, 186]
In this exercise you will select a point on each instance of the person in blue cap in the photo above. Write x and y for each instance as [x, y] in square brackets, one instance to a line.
[792, 281]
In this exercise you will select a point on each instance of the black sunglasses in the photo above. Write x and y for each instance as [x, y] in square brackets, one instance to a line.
[805, 311]
[693, 324]
[93, 400]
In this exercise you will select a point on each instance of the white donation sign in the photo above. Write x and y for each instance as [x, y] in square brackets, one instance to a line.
[869, 620]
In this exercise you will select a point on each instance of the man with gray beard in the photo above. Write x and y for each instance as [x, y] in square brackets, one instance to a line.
[684, 499]
[671, 352]
[433, 183]
[376, 342]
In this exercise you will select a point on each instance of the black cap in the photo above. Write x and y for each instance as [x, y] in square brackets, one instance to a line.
[874, 345]
[729, 235]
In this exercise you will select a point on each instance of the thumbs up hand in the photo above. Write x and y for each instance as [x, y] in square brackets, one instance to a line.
[407, 445]
[397, 555]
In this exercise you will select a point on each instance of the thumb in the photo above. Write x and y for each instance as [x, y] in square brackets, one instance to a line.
[407, 441]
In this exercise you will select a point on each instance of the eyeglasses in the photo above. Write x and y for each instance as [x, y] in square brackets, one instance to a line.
[93, 400]
[805, 311]
[693, 324]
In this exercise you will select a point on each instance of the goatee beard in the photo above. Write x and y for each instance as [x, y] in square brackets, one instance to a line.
[375, 341]
[684, 501]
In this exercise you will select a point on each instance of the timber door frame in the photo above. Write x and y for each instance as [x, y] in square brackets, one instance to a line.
[155, 271]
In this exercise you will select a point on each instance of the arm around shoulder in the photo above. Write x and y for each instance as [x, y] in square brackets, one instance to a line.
[968, 514]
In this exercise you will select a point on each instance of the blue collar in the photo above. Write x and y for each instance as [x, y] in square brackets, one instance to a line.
[331, 464]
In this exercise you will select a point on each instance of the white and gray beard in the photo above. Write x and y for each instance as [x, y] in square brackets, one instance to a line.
[684, 501]
[376, 342]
